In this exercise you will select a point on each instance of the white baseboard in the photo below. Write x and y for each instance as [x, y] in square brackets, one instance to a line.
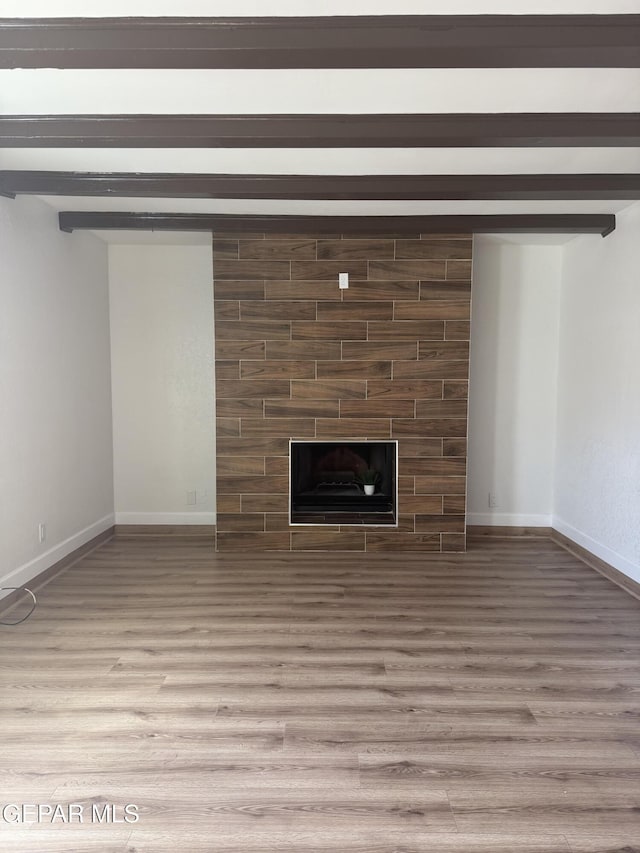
[165, 518]
[23, 574]
[602, 551]
[508, 519]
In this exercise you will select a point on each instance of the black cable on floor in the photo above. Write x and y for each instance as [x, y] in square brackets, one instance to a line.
[33, 606]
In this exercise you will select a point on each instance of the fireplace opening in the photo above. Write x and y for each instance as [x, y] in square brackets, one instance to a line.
[328, 482]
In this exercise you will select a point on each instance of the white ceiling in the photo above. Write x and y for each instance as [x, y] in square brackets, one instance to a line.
[302, 90]
[326, 208]
[50, 91]
[241, 8]
[327, 161]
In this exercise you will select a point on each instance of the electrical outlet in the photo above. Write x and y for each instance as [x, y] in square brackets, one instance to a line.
[42, 532]
[493, 500]
[191, 498]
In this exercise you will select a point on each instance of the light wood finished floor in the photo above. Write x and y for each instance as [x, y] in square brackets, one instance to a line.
[478, 703]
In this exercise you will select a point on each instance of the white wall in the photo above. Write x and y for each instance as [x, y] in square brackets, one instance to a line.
[55, 397]
[163, 383]
[597, 488]
[512, 391]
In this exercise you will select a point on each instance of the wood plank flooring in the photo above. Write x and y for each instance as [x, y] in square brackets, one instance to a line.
[486, 702]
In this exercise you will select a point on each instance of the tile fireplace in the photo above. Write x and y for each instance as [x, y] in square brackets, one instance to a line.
[302, 363]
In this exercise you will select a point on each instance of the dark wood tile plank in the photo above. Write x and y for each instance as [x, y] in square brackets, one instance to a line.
[228, 369]
[252, 330]
[320, 539]
[277, 369]
[239, 408]
[377, 408]
[326, 270]
[454, 542]
[431, 369]
[271, 250]
[457, 330]
[445, 309]
[240, 465]
[304, 408]
[420, 447]
[454, 446]
[415, 389]
[406, 330]
[439, 524]
[434, 309]
[433, 249]
[455, 390]
[241, 270]
[459, 269]
[353, 428]
[440, 485]
[289, 427]
[444, 350]
[277, 465]
[453, 504]
[277, 310]
[228, 503]
[432, 465]
[225, 249]
[302, 330]
[244, 388]
[240, 521]
[313, 290]
[377, 291]
[406, 541]
[360, 369]
[226, 309]
[227, 426]
[265, 446]
[244, 541]
[355, 310]
[329, 389]
[426, 504]
[447, 289]
[441, 409]
[249, 289]
[430, 427]
[265, 503]
[240, 484]
[349, 250]
[377, 350]
[422, 270]
[236, 350]
[317, 350]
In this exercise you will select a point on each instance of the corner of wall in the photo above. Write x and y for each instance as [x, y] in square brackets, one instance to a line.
[55, 438]
[512, 394]
[597, 467]
[162, 362]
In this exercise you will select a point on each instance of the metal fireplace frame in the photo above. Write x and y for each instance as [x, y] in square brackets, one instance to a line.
[392, 441]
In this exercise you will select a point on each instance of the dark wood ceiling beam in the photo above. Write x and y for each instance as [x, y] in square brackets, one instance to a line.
[407, 41]
[504, 223]
[340, 187]
[454, 130]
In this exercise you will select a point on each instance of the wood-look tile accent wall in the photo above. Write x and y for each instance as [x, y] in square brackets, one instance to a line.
[296, 357]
